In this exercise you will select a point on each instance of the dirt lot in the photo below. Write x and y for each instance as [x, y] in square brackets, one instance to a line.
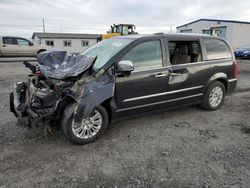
[180, 148]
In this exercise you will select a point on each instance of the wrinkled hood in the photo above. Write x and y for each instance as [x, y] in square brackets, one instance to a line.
[61, 64]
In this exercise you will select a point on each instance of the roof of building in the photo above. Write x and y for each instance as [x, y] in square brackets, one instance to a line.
[214, 20]
[66, 35]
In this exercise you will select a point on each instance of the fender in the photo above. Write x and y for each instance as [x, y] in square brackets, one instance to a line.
[219, 75]
[94, 93]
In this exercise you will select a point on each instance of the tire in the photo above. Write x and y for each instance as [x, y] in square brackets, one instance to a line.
[85, 133]
[214, 96]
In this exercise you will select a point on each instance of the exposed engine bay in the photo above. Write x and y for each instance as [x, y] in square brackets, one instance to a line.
[58, 80]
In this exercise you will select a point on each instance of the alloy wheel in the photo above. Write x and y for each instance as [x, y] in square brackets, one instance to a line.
[89, 127]
[216, 96]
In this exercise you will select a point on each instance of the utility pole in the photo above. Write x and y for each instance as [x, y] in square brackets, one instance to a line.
[43, 26]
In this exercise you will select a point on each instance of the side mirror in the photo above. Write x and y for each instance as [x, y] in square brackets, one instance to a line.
[31, 44]
[124, 67]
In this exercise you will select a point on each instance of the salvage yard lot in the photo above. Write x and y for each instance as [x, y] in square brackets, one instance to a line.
[187, 147]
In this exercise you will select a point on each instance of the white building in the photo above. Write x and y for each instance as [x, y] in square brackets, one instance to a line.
[236, 32]
[66, 41]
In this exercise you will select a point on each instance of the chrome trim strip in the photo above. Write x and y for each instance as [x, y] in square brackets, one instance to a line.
[187, 97]
[232, 80]
[161, 102]
[152, 69]
[160, 94]
[185, 64]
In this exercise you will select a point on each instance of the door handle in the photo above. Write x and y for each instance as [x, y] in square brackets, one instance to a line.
[3, 45]
[160, 75]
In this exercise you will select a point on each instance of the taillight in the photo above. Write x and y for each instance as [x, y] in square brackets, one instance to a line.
[236, 69]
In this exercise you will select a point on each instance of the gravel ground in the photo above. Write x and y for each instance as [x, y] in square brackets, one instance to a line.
[187, 147]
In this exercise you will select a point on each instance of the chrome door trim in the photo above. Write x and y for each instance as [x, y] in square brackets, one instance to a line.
[161, 94]
[187, 97]
[161, 102]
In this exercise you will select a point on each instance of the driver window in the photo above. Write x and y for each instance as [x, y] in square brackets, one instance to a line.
[23, 42]
[145, 56]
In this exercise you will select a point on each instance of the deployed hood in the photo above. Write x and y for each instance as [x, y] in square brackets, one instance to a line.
[61, 64]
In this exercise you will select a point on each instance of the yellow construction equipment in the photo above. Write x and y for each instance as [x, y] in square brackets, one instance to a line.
[120, 29]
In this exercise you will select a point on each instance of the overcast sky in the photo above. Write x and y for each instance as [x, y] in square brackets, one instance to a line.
[23, 17]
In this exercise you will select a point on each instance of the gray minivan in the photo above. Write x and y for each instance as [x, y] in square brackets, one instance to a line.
[121, 77]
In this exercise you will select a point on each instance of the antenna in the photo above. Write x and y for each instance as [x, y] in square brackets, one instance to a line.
[43, 26]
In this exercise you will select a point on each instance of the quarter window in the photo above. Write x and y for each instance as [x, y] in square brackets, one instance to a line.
[67, 43]
[9, 40]
[146, 55]
[217, 49]
[49, 43]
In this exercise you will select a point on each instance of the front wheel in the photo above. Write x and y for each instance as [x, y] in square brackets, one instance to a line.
[214, 96]
[89, 130]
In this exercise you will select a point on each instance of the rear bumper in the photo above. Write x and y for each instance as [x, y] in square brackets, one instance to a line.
[232, 83]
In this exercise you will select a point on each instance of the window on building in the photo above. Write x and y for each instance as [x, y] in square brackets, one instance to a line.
[182, 52]
[206, 31]
[49, 43]
[67, 43]
[219, 31]
[146, 55]
[85, 43]
[217, 49]
[186, 31]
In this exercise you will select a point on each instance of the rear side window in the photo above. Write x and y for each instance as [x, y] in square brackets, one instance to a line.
[183, 52]
[9, 40]
[146, 55]
[217, 49]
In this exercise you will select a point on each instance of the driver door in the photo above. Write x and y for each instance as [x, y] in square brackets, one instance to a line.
[145, 89]
[25, 47]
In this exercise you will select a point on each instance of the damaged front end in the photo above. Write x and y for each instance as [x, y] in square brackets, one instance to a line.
[56, 82]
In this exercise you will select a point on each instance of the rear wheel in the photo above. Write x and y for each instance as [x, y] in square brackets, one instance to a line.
[214, 96]
[89, 130]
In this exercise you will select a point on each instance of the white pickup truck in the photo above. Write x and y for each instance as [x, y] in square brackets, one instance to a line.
[17, 46]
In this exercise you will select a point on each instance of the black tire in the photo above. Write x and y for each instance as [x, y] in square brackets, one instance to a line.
[206, 105]
[69, 134]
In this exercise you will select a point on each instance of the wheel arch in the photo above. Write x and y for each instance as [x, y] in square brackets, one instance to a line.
[107, 105]
[221, 77]
[40, 51]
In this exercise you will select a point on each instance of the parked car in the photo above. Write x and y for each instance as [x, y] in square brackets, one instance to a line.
[121, 77]
[17, 46]
[243, 52]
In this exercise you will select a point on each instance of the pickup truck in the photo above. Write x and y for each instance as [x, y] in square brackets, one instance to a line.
[17, 46]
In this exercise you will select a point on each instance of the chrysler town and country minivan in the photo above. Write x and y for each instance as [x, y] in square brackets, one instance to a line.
[121, 77]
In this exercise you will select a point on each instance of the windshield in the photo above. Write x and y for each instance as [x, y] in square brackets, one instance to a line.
[105, 50]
